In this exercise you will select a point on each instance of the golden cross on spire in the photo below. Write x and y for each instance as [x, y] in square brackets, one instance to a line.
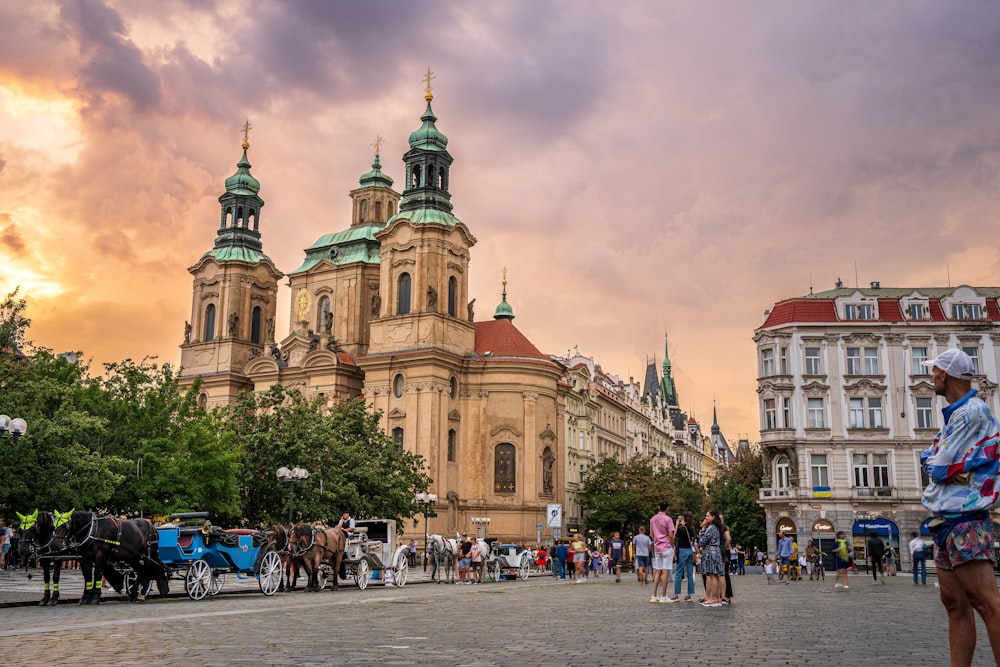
[505, 277]
[378, 143]
[428, 78]
[246, 133]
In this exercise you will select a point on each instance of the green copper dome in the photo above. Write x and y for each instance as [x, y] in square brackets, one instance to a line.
[375, 178]
[428, 137]
[242, 183]
[504, 311]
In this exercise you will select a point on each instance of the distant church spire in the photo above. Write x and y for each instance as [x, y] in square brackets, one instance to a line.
[669, 389]
[504, 311]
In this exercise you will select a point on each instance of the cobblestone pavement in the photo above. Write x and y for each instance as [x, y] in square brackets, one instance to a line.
[539, 621]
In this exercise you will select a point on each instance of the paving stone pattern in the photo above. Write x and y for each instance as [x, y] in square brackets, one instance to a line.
[537, 622]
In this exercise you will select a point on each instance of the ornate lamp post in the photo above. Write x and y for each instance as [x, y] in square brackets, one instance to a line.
[291, 477]
[481, 524]
[12, 429]
[426, 502]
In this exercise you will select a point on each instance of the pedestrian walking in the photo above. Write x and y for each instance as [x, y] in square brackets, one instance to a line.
[616, 552]
[962, 464]
[876, 552]
[562, 556]
[579, 549]
[918, 553]
[842, 560]
[784, 553]
[642, 545]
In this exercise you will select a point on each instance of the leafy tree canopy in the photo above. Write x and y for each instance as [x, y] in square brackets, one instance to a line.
[734, 493]
[353, 465]
[623, 496]
[13, 324]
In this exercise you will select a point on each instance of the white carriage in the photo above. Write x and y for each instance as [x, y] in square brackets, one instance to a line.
[372, 554]
[506, 561]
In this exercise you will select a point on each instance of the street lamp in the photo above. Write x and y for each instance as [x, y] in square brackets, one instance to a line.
[12, 429]
[291, 477]
[481, 524]
[426, 502]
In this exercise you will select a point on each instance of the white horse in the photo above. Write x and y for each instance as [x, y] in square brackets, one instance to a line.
[444, 552]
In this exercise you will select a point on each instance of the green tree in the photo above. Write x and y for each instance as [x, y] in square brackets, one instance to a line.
[734, 493]
[13, 324]
[623, 496]
[353, 465]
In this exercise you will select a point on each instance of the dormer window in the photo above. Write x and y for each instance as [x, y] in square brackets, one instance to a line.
[918, 311]
[859, 311]
[966, 311]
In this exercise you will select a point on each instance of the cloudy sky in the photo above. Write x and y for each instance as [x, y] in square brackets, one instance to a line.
[637, 166]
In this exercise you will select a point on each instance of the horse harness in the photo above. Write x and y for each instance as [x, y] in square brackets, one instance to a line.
[90, 537]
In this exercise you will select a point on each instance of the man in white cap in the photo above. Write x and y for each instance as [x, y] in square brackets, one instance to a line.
[962, 465]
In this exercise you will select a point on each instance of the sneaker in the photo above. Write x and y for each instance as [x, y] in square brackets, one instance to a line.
[838, 585]
[846, 586]
[668, 600]
[726, 603]
[688, 599]
[654, 599]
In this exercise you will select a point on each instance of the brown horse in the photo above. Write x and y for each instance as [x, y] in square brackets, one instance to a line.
[317, 546]
[281, 539]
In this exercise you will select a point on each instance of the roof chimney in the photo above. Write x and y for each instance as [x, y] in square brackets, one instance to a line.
[875, 284]
[839, 283]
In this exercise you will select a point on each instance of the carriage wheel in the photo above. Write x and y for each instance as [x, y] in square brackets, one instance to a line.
[198, 579]
[495, 570]
[362, 574]
[401, 570]
[131, 581]
[269, 575]
[524, 569]
[218, 581]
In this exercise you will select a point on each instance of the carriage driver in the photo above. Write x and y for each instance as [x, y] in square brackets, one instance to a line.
[346, 524]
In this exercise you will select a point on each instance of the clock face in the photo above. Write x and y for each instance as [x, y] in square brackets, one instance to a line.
[302, 303]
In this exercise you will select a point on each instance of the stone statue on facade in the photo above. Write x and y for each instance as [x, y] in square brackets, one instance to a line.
[234, 322]
[472, 311]
[270, 330]
[432, 298]
[548, 462]
[376, 305]
[187, 332]
[328, 322]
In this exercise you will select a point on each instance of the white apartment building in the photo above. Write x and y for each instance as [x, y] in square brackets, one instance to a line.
[846, 406]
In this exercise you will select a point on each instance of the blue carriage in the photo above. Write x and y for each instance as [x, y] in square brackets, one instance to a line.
[204, 554]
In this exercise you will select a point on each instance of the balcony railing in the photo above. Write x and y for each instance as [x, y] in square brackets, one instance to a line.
[782, 493]
[873, 492]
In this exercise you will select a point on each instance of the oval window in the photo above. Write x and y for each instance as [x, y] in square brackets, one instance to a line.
[398, 383]
[454, 387]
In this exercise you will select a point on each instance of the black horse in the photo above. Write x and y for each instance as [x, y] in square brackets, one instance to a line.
[40, 542]
[101, 540]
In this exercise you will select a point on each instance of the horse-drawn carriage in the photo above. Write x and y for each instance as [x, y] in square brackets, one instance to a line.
[204, 554]
[506, 561]
[373, 550]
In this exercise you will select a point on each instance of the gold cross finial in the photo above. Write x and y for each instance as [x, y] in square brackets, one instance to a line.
[428, 78]
[378, 143]
[505, 277]
[246, 133]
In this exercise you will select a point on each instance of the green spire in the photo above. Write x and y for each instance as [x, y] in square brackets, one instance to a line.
[427, 167]
[239, 230]
[669, 390]
[375, 178]
[504, 311]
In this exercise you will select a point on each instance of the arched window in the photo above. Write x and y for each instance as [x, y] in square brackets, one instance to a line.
[364, 209]
[452, 437]
[391, 209]
[321, 313]
[228, 220]
[452, 296]
[403, 298]
[781, 472]
[256, 319]
[416, 176]
[239, 217]
[504, 457]
[209, 323]
[378, 211]
[397, 435]
[203, 400]
[253, 219]
[431, 178]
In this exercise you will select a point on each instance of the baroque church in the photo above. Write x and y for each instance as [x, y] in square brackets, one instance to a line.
[382, 310]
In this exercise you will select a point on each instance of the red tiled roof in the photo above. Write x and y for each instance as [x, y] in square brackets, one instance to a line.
[502, 339]
[937, 315]
[889, 311]
[801, 310]
[992, 310]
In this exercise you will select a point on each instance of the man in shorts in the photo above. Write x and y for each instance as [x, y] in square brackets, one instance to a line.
[962, 464]
[476, 558]
[662, 528]
[616, 552]
[642, 544]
